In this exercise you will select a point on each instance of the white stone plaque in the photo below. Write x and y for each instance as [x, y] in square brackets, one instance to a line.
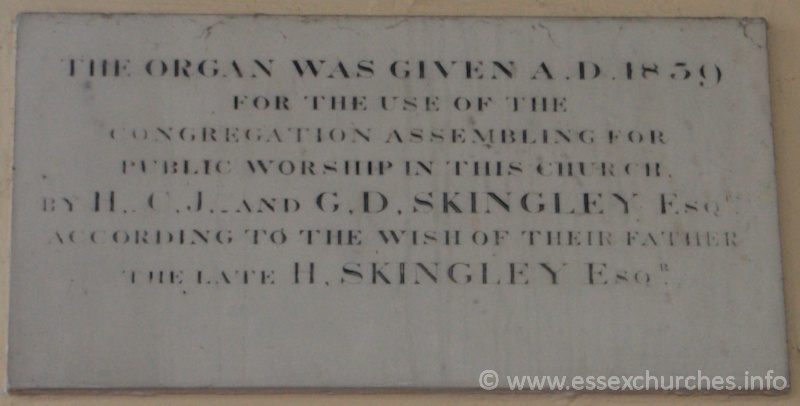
[279, 202]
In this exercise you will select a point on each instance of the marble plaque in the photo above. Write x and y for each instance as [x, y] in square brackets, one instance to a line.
[281, 202]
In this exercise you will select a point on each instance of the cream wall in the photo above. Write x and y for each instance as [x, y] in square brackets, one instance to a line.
[783, 17]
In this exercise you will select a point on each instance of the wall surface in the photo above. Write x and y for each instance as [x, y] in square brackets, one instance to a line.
[783, 17]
